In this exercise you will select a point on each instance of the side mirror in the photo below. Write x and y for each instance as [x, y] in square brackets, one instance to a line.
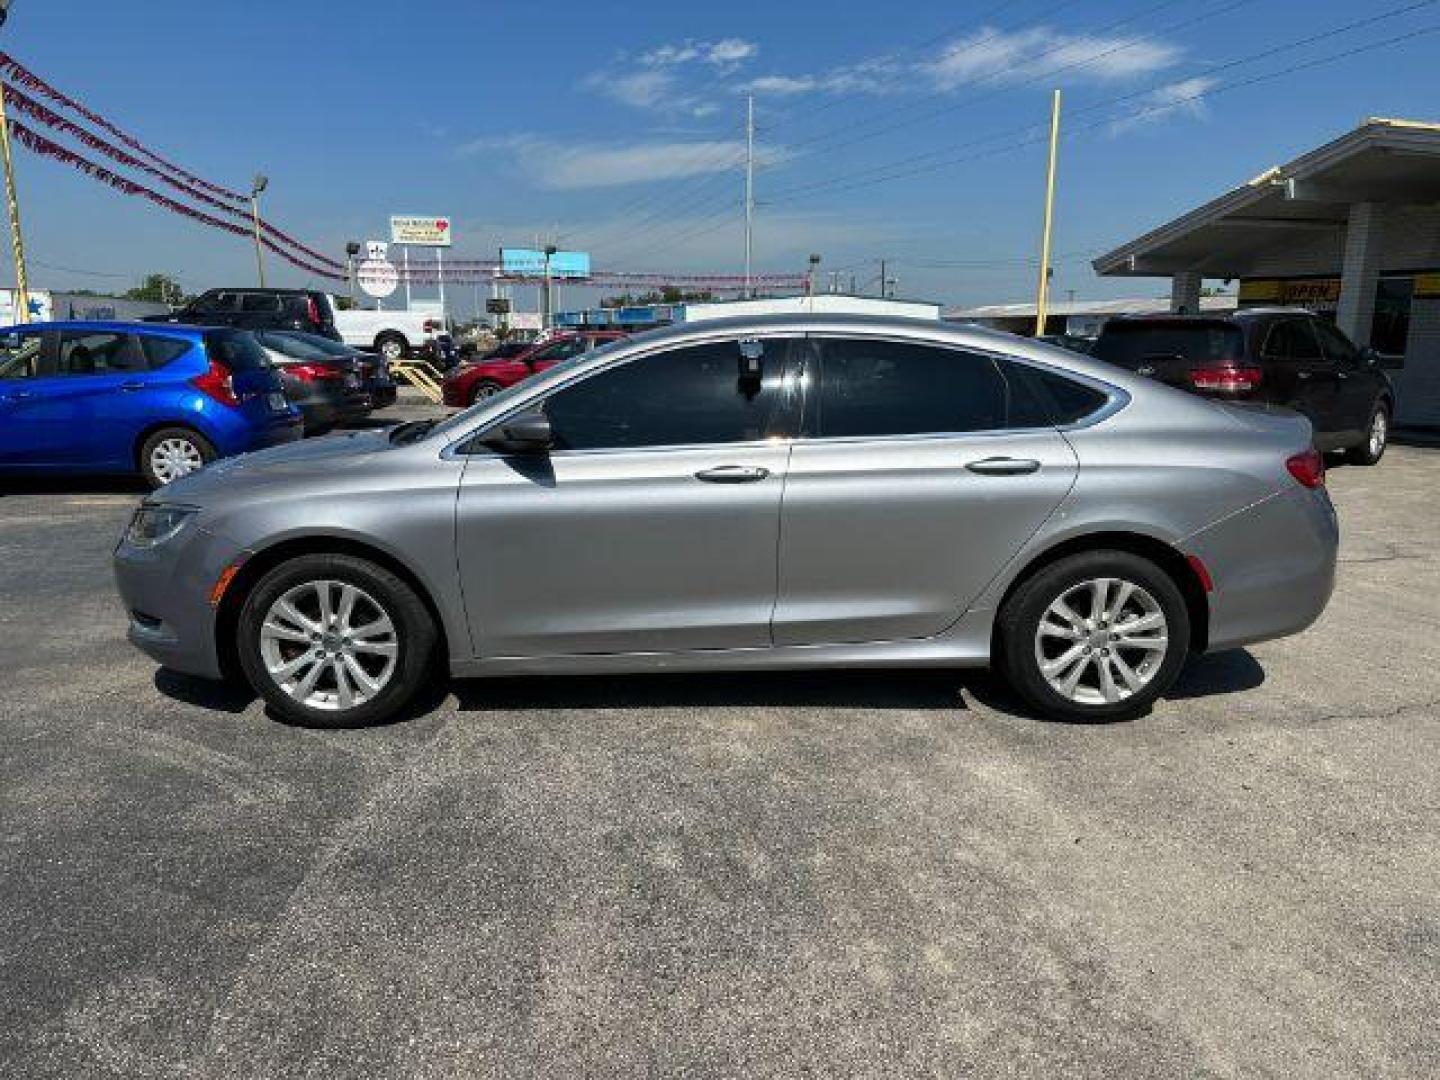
[525, 433]
[1369, 356]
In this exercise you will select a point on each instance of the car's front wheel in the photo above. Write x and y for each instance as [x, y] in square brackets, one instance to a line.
[485, 388]
[1377, 438]
[1098, 635]
[335, 641]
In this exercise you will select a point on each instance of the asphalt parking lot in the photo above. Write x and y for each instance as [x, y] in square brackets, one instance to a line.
[829, 875]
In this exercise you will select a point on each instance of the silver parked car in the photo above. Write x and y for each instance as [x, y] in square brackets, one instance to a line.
[780, 492]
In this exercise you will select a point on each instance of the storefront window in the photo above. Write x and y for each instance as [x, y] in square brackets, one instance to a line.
[1391, 328]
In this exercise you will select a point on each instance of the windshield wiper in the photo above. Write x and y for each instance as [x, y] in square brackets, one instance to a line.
[411, 430]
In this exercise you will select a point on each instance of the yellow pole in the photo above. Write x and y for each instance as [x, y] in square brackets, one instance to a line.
[1042, 299]
[22, 284]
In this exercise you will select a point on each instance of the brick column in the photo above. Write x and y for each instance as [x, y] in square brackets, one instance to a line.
[1185, 293]
[1360, 275]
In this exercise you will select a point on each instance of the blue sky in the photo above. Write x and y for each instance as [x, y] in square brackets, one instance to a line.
[617, 127]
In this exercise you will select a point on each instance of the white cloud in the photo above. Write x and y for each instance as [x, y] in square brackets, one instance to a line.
[722, 53]
[1185, 98]
[731, 51]
[655, 79]
[642, 90]
[558, 166]
[998, 56]
[877, 76]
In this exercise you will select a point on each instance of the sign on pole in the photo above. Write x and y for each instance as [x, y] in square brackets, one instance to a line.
[421, 231]
[527, 262]
[377, 249]
[378, 278]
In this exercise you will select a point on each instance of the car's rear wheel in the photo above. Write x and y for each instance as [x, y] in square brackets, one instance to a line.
[335, 641]
[485, 388]
[1377, 438]
[173, 452]
[392, 347]
[1095, 636]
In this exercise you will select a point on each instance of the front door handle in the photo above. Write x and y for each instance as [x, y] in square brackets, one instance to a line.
[732, 474]
[131, 387]
[1004, 466]
[16, 395]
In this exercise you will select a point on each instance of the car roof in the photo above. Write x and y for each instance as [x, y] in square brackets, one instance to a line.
[118, 326]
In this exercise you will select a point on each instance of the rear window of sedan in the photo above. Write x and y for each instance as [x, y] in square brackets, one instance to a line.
[236, 349]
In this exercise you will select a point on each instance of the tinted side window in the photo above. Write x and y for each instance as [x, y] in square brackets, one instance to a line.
[685, 396]
[20, 354]
[159, 351]
[215, 302]
[1338, 349]
[262, 303]
[1291, 341]
[877, 388]
[98, 353]
[561, 350]
[1070, 401]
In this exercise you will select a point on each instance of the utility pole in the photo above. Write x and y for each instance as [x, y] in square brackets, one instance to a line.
[17, 242]
[882, 278]
[547, 313]
[1042, 296]
[260, 183]
[749, 188]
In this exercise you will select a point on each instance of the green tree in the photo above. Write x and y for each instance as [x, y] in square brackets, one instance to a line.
[157, 289]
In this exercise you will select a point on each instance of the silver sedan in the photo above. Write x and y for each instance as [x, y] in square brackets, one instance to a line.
[780, 492]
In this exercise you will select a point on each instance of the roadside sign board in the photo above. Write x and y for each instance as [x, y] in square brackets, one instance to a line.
[528, 262]
[497, 305]
[525, 320]
[377, 249]
[378, 278]
[420, 231]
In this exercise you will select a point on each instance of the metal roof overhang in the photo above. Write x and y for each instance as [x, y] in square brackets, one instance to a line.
[1384, 161]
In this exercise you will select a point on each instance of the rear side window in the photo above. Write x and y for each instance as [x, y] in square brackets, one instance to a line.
[1132, 345]
[1338, 349]
[237, 351]
[880, 388]
[159, 351]
[214, 302]
[1070, 401]
[1289, 341]
[259, 303]
[20, 354]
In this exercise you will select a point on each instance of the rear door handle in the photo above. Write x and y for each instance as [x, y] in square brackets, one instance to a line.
[1004, 466]
[130, 387]
[732, 474]
[16, 395]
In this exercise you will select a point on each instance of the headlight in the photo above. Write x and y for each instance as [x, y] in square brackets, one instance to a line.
[153, 525]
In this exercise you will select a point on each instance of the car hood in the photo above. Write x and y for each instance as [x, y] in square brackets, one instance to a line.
[320, 457]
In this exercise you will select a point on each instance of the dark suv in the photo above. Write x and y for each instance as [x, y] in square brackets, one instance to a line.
[1273, 356]
[259, 309]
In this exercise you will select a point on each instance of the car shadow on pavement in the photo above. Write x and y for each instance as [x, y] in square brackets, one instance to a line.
[230, 697]
[72, 485]
[1231, 672]
[780, 689]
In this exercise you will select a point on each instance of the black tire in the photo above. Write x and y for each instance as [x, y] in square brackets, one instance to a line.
[1373, 448]
[1018, 627]
[483, 389]
[151, 451]
[392, 346]
[414, 635]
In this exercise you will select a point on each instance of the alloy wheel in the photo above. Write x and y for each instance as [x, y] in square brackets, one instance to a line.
[329, 645]
[175, 457]
[1379, 432]
[1101, 641]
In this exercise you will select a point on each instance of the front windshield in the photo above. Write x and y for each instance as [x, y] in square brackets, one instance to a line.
[460, 419]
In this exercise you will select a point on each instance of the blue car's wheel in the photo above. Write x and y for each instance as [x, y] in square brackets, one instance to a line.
[173, 452]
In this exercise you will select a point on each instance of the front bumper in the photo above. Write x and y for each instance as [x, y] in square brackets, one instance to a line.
[166, 593]
[1273, 566]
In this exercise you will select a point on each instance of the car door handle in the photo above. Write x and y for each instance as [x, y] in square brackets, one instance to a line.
[131, 387]
[16, 395]
[1004, 466]
[732, 474]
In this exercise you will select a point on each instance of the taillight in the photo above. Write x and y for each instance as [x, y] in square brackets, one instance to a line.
[1228, 380]
[312, 311]
[217, 384]
[1308, 468]
[431, 326]
[314, 372]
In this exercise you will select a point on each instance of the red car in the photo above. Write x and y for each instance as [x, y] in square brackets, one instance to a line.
[511, 363]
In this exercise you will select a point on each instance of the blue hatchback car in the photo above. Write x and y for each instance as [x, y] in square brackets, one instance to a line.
[117, 397]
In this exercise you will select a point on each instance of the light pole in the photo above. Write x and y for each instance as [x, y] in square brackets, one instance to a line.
[260, 183]
[549, 314]
[351, 250]
[17, 242]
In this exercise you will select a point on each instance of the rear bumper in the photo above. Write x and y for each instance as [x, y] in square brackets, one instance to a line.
[166, 591]
[383, 395]
[1273, 566]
